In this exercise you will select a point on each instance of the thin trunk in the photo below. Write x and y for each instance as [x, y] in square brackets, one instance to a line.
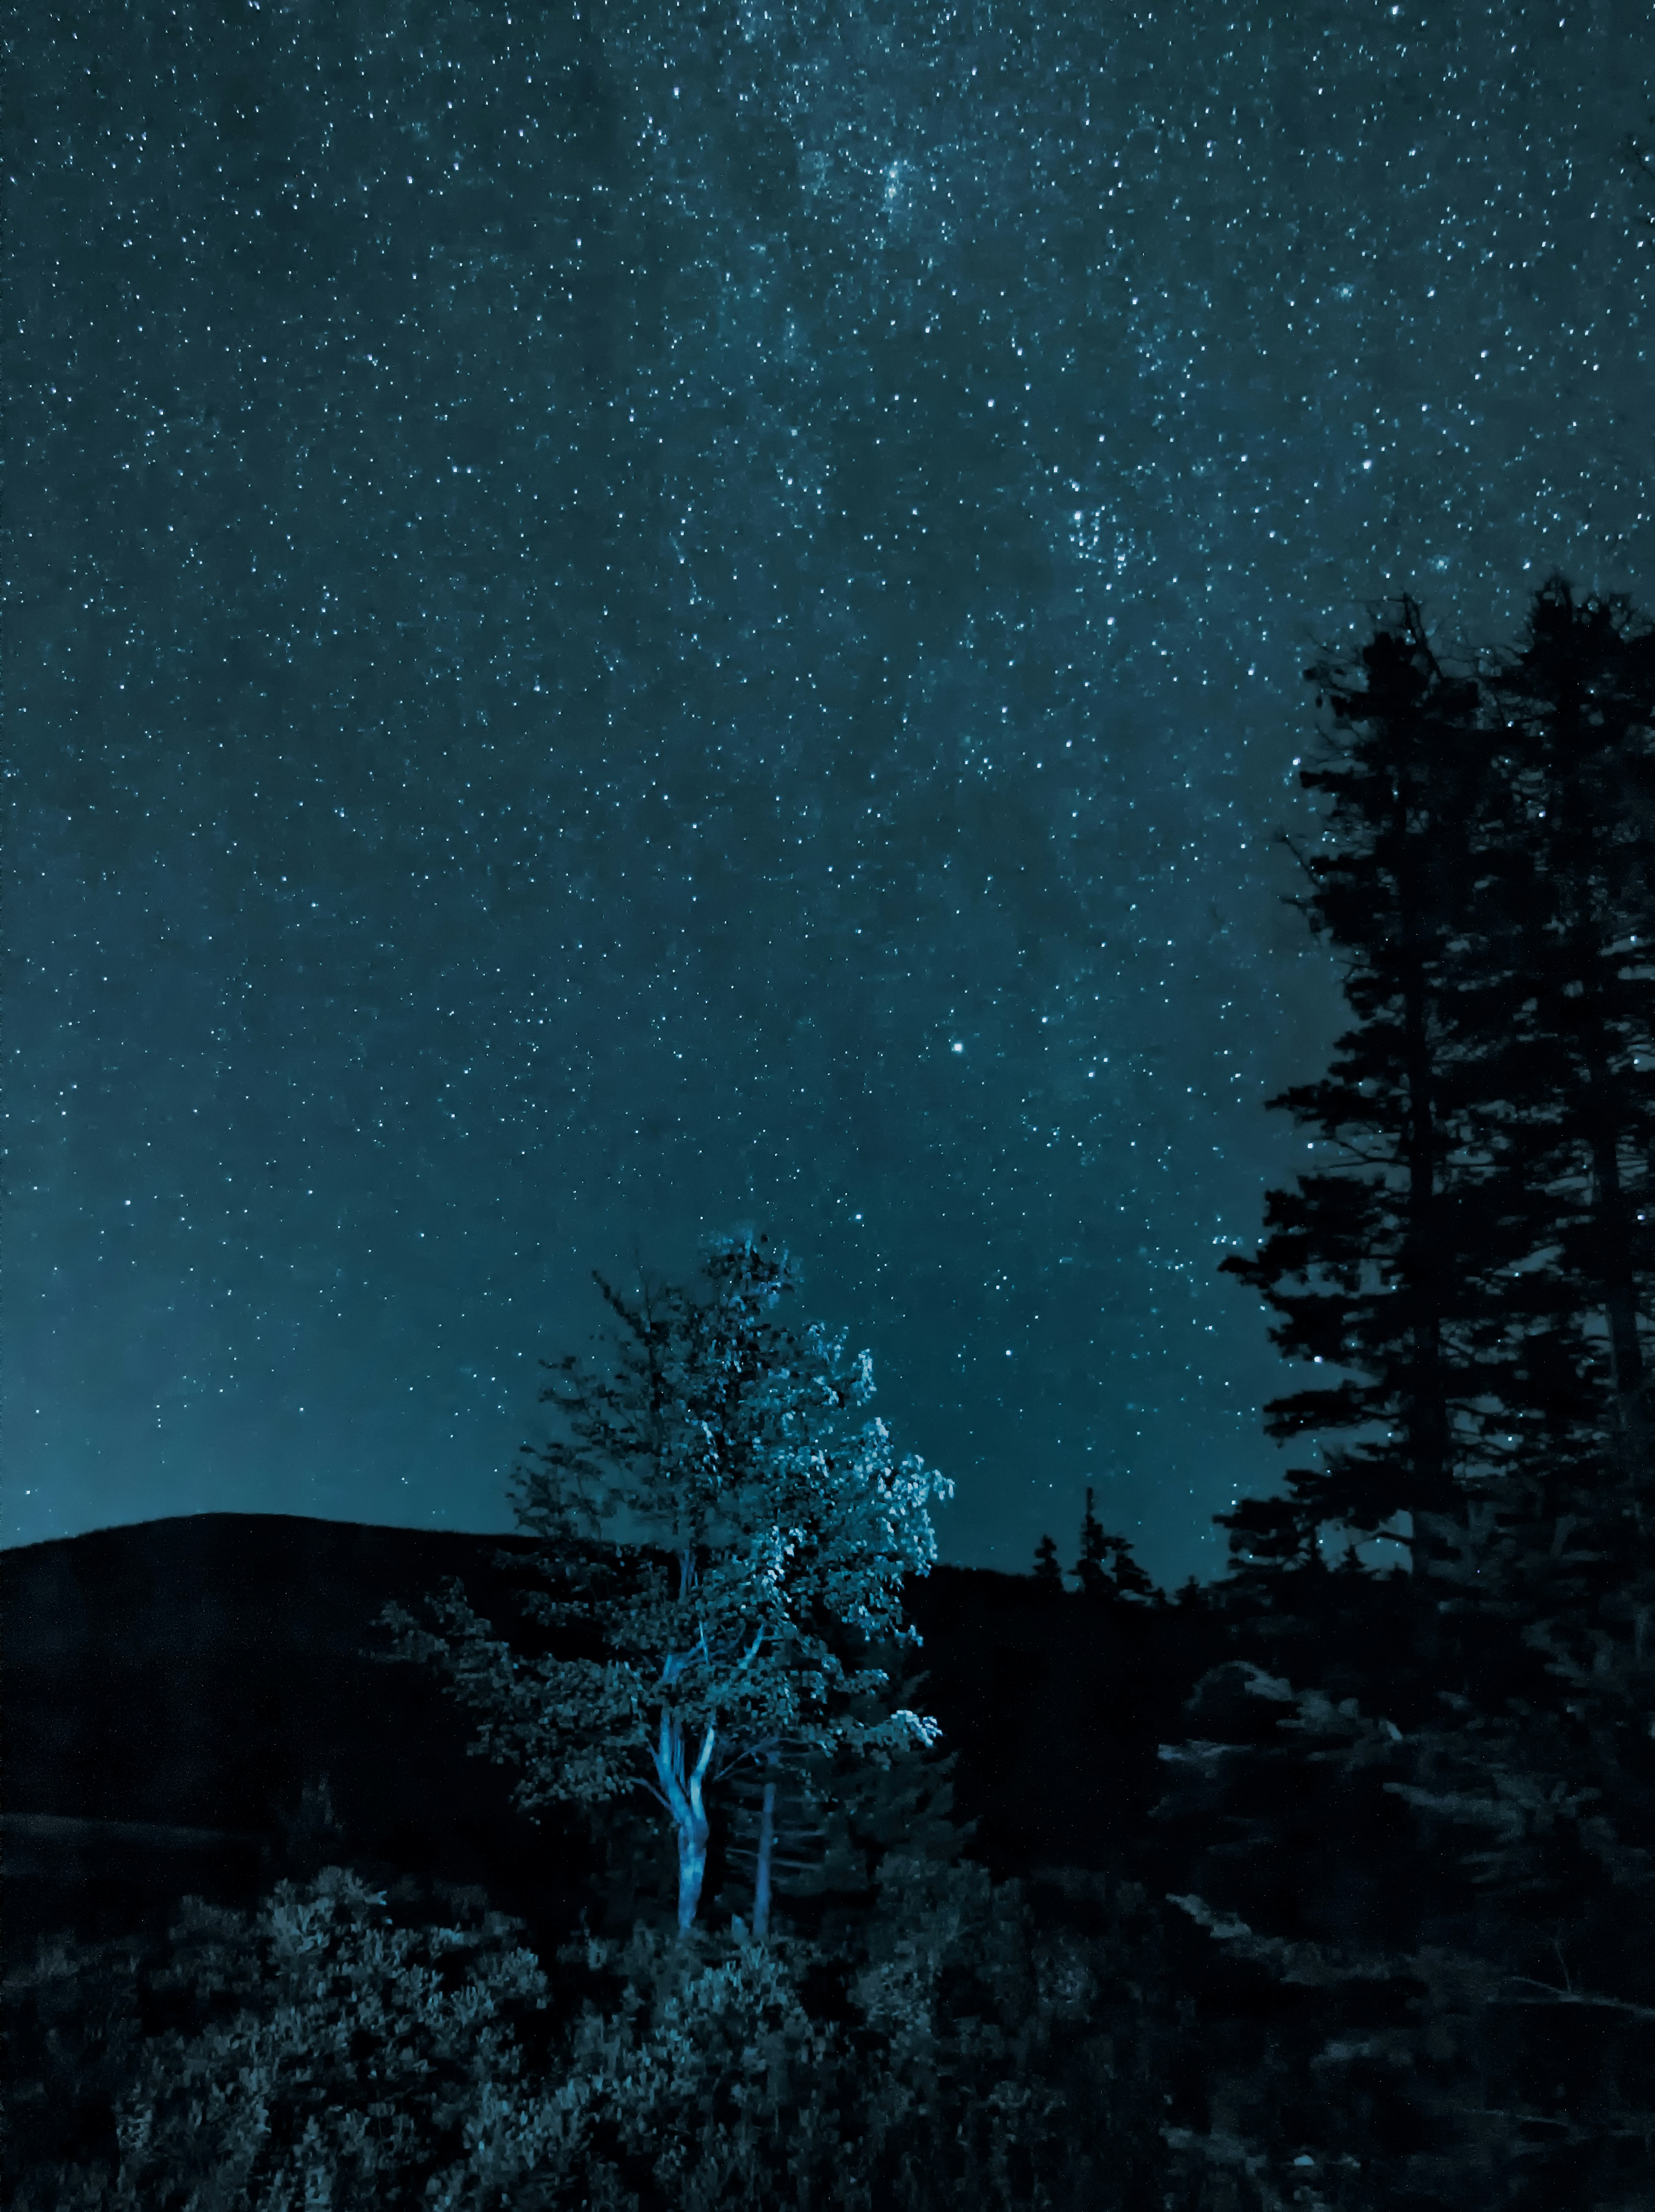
[1427, 1410]
[761, 1875]
[692, 1869]
[1427, 1415]
[682, 1790]
[1619, 1283]
[683, 1793]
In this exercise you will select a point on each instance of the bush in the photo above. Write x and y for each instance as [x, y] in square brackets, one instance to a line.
[951, 2056]
[309, 2054]
[313, 2054]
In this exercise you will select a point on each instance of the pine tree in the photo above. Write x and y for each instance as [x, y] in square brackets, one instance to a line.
[1522, 1895]
[1400, 1248]
[1106, 1569]
[1088, 1570]
[815, 1827]
[1578, 902]
[737, 1442]
[1128, 1580]
[1556, 1785]
[773, 1824]
[1048, 1574]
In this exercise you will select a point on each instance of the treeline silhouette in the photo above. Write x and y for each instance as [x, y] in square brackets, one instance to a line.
[1326, 1885]
[1434, 1836]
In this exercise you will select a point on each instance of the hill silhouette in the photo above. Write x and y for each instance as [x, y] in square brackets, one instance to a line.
[194, 1704]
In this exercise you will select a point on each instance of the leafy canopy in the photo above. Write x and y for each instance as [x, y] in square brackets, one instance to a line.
[737, 1445]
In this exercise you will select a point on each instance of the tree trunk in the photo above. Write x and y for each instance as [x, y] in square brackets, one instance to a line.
[1618, 1282]
[762, 1876]
[683, 1793]
[1425, 1404]
[692, 1868]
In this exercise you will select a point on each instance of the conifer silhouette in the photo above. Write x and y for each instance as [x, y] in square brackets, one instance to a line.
[1107, 1568]
[1392, 1264]
[1498, 1700]
[1047, 1571]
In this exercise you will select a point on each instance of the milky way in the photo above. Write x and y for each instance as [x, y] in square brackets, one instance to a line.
[626, 622]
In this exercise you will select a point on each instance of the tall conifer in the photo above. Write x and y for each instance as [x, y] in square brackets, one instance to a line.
[1478, 2004]
[1556, 1786]
[1394, 1247]
[1574, 890]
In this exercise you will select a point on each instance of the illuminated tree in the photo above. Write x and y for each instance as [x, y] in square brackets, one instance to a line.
[736, 1444]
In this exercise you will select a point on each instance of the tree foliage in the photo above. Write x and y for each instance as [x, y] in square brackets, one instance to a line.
[951, 2052]
[1385, 1265]
[312, 2052]
[737, 1445]
[1047, 1570]
[1107, 1568]
[1458, 1977]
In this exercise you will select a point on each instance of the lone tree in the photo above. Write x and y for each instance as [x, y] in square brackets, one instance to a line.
[735, 1443]
[1048, 1574]
[1097, 1577]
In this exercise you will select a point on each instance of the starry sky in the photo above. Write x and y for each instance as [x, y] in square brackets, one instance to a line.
[628, 620]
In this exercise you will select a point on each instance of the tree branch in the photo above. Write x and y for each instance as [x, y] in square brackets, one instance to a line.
[1555, 1996]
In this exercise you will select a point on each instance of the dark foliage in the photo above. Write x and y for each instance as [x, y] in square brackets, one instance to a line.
[1047, 1571]
[1424, 1805]
[1390, 1265]
[1106, 1569]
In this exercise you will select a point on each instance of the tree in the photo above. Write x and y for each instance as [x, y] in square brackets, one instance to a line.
[1500, 855]
[736, 1442]
[1441, 1955]
[1402, 1248]
[1047, 1572]
[1088, 1569]
[816, 1828]
[1093, 1571]
[1577, 899]
[1556, 1781]
[775, 1823]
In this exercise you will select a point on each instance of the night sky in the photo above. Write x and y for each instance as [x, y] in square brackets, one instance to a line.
[628, 620]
